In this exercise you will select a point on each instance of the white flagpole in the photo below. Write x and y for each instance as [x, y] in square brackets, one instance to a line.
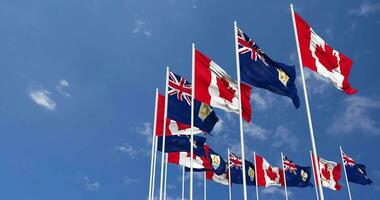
[229, 175]
[166, 174]
[307, 106]
[257, 185]
[154, 166]
[153, 141]
[164, 134]
[283, 171]
[204, 187]
[315, 181]
[192, 119]
[240, 114]
[345, 173]
[183, 182]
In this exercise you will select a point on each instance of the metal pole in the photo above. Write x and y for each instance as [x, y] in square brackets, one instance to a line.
[166, 174]
[183, 182]
[283, 171]
[154, 166]
[240, 114]
[315, 181]
[257, 186]
[204, 186]
[192, 119]
[229, 175]
[164, 134]
[307, 105]
[153, 139]
[345, 173]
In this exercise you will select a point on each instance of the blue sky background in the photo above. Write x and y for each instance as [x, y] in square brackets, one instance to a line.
[77, 86]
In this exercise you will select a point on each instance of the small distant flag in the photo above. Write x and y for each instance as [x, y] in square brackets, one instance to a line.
[296, 176]
[267, 175]
[184, 159]
[330, 173]
[356, 173]
[182, 144]
[172, 127]
[219, 168]
[236, 167]
[179, 105]
[216, 88]
[320, 57]
[259, 70]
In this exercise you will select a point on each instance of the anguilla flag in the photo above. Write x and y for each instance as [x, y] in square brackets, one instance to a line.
[356, 173]
[296, 176]
[182, 144]
[236, 167]
[179, 105]
[259, 70]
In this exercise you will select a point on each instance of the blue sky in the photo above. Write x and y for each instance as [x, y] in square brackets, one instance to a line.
[78, 78]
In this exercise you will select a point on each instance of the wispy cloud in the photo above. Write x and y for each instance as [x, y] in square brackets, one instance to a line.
[145, 129]
[256, 131]
[141, 27]
[366, 8]
[41, 97]
[194, 4]
[127, 149]
[62, 85]
[274, 190]
[262, 100]
[356, 116]
[315, 82]
[130, 180]
[284, 137]
[91, 185]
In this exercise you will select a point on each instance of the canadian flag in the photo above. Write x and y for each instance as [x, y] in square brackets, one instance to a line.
[321, 58]
[330, 173]
[266, 174]
[172, 127]
[184, 158]
[213, 86]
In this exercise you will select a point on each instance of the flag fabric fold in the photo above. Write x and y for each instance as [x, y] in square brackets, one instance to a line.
[330, 173]
[296, 176]
[216, 88]
[356, 173]
[259, 70]
[236, 167]
[267, 175]
[318, 56]
[179, 105]
[182, 144]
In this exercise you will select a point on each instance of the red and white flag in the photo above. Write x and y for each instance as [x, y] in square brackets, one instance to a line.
[222, 179]
[183, 159]
[213, 86]
[330, 173]
[321, 58]
[172, 127]
[267, 175]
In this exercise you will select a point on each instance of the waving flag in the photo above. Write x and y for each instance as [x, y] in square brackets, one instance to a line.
[236, 168]
[258, 70]
[172, 127]
[184, 159]
[179, 105]
[356, 173]
[219, 168]
[216, 88]
[296, 176]
[330, 174]
[182, 144]
[267, 175]
[320, 57]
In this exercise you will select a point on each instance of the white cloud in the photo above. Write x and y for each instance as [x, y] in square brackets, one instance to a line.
[41, 97]
[145, 129]
[141, 27]
[262, 100]
[316, 83]
[218, 128]
[356, 116]
[256, 131]
[284, 137]
[129, 180]
[194, 4]
[366, 8]
[127, 149]
[91, 185]
[274, 190]
[62, 84]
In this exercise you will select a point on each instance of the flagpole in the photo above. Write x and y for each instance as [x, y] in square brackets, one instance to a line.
[345, 173]
[154, 166]
[240, 114]
[229, 175]
[204, 187]
[307, 106]
[315, 181]
[166, 174]
[283, 171]
[192, 119]
[256, 182]
[153, 141]
[164, 134]
[183, 182]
